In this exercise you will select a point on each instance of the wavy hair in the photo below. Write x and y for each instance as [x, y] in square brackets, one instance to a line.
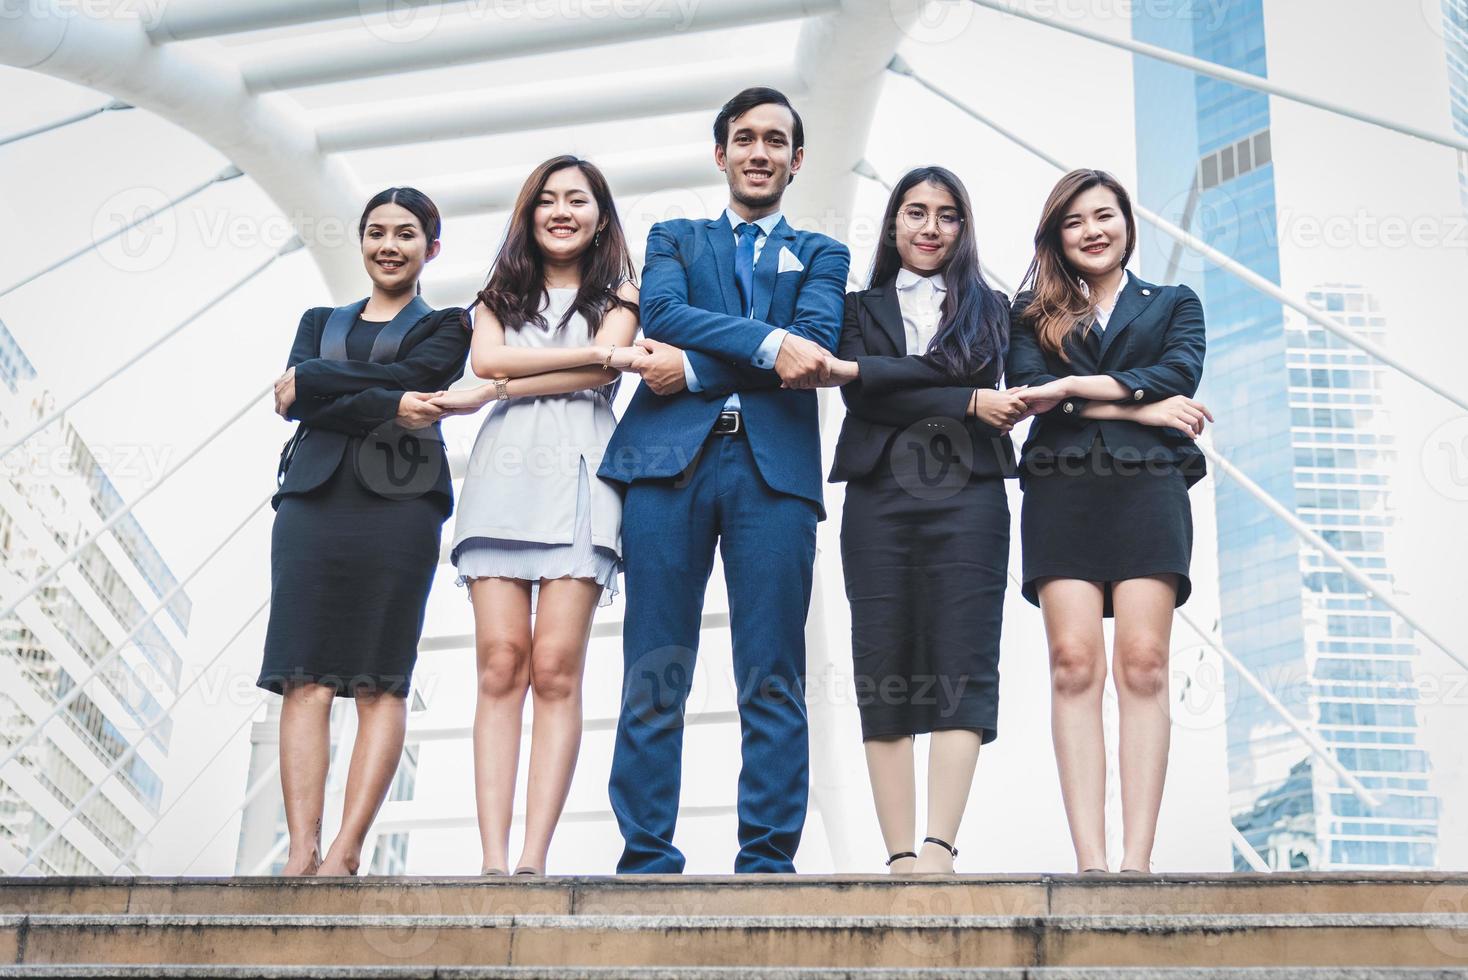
[515, 288]
[1059, 306]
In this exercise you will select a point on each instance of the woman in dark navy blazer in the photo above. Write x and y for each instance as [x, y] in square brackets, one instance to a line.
[364, 494]
[1111, 364]
[924, 452]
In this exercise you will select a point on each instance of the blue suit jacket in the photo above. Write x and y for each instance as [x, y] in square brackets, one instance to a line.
[690, 299]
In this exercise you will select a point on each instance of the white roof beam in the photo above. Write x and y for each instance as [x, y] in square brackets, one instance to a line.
[187, 20]
[546, 105]
[629, 174]
[490, 36]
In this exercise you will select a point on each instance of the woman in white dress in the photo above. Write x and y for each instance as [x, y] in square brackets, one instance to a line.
[537, 532]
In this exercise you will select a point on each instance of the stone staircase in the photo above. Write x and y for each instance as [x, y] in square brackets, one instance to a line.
[1099, 927]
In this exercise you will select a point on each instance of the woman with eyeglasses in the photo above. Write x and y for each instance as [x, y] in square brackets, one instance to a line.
[924, 452]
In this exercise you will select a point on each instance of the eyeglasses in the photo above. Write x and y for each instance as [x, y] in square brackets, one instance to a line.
[916, 219]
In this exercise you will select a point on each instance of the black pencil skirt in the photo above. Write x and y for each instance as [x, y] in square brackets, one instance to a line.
[1105, 520]
[350, 575]
[925, 579]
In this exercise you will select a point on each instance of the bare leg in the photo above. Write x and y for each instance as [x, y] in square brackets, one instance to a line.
[1072, 611]
[1143, 640]
[305, 752]
[502, 644]
[557, 659]
[382, 723]
[890, 768]
[952, 757]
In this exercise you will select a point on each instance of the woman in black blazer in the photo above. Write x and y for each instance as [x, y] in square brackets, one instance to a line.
[365, 490]
[924, 452]
[1111, 364]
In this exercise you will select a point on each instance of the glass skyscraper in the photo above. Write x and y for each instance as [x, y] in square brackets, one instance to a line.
[1301, 412]
[55, 493]
[1455, 44]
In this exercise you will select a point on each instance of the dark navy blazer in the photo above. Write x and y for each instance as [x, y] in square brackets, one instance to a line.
[690, 299]
[1153, 345]
[339, 399]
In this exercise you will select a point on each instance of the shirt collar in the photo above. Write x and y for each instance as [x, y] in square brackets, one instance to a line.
[1126, 277]
[906, 279]
[766, 224]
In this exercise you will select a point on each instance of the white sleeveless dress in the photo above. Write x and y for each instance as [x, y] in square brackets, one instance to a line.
[531, 506]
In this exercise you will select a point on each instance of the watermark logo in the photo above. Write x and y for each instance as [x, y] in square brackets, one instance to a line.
[1445, 459]
[135, 230]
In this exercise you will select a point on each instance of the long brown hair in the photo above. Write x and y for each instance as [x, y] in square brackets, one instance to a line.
[974, 326]
[515, 289]
[1059, 307]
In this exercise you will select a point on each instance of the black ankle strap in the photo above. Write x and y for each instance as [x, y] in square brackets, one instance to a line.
[943, 844]
[900, 855]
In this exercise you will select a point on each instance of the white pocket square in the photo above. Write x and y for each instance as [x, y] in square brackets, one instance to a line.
[788, 261]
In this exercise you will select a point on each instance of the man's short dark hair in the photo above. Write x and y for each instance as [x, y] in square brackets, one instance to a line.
[747, 100]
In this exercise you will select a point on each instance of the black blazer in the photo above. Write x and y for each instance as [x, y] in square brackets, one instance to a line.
[896, 391]
[337, 400]
[1153, 344]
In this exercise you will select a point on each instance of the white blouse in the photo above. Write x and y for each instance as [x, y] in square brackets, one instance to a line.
[921, 301]
[1103, 316]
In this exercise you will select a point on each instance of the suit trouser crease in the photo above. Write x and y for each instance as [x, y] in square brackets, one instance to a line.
[767, 542]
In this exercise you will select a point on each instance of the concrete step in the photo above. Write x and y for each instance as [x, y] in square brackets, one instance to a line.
[842, 942]
[830, 895]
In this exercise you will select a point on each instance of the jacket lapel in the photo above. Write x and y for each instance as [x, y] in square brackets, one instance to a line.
[766, 269]
[333, 345]
[1129, 305]
[390, 338]
[881, 302]
[721, 242]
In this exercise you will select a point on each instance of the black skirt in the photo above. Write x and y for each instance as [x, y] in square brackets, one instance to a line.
[349, 578]
[1105, 520]
[925, 576]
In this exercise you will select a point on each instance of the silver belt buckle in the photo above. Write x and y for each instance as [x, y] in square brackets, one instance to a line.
[730, 423]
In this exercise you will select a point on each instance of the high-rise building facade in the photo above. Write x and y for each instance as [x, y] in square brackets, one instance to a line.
[1455, 46]
[54, 494]
[1301, 413]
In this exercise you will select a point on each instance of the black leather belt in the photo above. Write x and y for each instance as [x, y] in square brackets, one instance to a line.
[729, 424]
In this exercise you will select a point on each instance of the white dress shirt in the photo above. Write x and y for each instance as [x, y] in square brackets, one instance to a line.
[1103, 316]
[921, 300]
[769, 348]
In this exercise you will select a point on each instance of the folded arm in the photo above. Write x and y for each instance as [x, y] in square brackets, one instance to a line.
[1180, 369]
[668, 316]
[1025, 366]
[428, 366]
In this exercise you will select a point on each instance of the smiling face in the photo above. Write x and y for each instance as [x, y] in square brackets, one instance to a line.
[1093, 233]
[394, 248]
[927, 225]
[566, 216]
[758, 159]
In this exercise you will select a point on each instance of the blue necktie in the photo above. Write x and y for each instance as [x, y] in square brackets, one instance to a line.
[744, 263]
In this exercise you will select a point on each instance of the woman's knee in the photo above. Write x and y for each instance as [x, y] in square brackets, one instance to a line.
[1077, 666]
[504, 666]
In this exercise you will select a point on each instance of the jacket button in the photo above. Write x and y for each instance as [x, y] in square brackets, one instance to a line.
[1137, 395]
[1069, 407]
[1146, 292]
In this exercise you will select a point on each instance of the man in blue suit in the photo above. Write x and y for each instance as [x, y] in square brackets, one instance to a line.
[720, 447]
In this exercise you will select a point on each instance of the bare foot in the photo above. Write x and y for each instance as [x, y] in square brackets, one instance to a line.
[902, 866]
[933, 860]
[302, 866]
[334, 865]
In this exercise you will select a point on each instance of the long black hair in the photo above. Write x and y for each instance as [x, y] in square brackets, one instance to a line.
[974, 329]
[416, 203]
